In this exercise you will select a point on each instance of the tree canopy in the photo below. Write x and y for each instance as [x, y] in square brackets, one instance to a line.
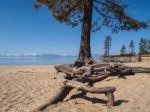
[111, 13]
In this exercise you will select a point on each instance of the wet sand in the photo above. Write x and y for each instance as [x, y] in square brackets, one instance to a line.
[24, 88]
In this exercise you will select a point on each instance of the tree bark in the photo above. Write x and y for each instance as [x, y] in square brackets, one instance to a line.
[85, 50]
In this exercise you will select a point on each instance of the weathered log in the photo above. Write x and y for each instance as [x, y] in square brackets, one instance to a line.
[98, 72]
[70, 70]
[89, 70]
[76, 77]
[92, 79]
[127, 71]
[65, 68]
[100, 69]
[141, 70]
[85, 71]
[59, 96]
[97, 65]
[68, 85]
[108, 91]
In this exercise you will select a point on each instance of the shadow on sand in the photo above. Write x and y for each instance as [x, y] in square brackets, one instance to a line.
[96, 100]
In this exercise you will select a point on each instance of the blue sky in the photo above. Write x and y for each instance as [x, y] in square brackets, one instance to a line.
[25, 30]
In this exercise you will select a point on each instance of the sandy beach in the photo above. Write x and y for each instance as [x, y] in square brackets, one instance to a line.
[24, 88]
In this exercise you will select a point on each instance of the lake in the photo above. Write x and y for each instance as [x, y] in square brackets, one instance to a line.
[39, 59]
[36, 60]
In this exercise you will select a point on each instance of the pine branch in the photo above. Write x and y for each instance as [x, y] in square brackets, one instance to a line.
[72, 8]
[99, 2]
[102, 13]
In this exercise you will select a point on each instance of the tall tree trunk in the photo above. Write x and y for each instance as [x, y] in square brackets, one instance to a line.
[85, 49]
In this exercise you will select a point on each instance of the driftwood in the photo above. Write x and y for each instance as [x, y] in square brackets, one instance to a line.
[94, 72]
[108, 91]
[82, 76]
[59, 96]
[141, 70]
[100, 69]
[68, 85]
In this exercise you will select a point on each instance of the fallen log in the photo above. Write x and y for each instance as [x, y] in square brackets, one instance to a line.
[59, 96]
[65, 68]
[141, 70]
[70, 70]
[93, 79]
[100, 71]
[88, 70]
[108, 91]
[68, 85]
[76, 77]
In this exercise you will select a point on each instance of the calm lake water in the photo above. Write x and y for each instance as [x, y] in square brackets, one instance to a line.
[37, 60]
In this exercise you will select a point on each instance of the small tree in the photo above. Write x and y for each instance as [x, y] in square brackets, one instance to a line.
[131, 46]
[148, 49]
[143, 46]
[146, 42]
[123, 50]
[107, 45]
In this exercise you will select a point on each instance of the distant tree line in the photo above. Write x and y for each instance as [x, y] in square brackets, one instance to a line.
[144, 47]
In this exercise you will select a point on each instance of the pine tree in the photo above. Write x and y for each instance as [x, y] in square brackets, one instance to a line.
[110, 13]
[148, 46]
[123, 50]
[143, 46]
[107, 45]
[131, 46]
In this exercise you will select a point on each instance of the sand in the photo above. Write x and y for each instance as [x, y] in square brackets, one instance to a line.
[24, 88]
